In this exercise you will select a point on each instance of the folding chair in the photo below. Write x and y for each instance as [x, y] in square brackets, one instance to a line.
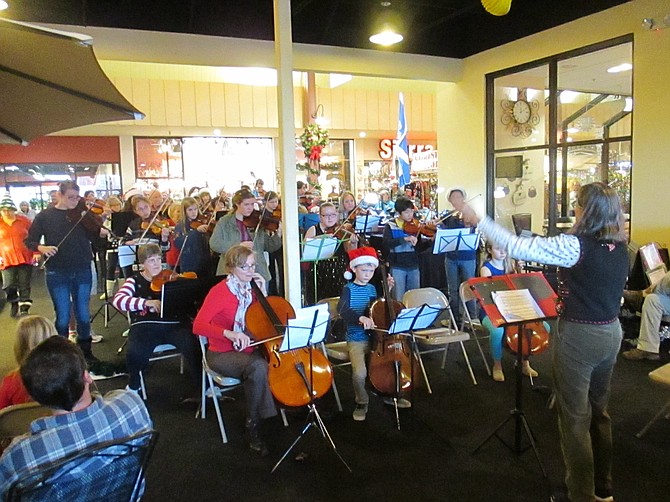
[164, 351]
[110, 471]
[15, 420]
[661, 376]
[465, 293]
[437, 339]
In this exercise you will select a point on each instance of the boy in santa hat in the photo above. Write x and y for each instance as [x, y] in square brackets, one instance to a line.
[353, 307]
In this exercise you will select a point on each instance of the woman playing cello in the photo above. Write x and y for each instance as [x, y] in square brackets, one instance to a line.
[221, 320]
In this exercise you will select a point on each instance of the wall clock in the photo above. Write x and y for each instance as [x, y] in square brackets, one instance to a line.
[520, 116]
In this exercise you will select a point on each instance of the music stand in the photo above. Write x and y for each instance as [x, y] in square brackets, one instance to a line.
[318, 249]
[367, 224]
[455, 239]
[301, 332]
[406, 322]
[107, 303]
[488, 291]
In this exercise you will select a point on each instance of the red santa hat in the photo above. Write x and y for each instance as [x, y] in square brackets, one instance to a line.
[361, 256]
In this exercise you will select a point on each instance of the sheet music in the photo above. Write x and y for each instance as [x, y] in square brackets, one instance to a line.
[367, 223]
[517, 305]
[320, 248]
[299, 330]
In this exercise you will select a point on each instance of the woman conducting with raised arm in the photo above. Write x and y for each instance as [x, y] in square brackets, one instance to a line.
[593, 261]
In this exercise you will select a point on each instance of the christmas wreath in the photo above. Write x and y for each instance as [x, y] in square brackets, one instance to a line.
[313, 140]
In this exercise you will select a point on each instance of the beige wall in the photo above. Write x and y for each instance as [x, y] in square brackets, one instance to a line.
[461, 107]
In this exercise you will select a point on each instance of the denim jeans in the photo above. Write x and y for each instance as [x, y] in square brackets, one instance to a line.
[457, 272]
[583, 361]
[405, 279]
[655, 306]
[71, 287]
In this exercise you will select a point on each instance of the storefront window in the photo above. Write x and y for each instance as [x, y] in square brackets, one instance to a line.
[532, 175]
[158, 158]
[335, 168]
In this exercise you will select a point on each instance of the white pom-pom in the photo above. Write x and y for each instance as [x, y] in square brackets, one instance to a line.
[348, 275]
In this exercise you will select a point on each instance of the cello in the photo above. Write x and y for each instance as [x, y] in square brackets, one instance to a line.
[390, 368]
[289, 373]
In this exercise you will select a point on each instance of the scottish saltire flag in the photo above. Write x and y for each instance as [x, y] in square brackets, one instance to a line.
[401, 150]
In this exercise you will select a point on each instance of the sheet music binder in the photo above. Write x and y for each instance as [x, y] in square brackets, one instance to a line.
[535, 282]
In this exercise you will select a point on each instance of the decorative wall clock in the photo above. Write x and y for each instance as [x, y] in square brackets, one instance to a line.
[520, 116]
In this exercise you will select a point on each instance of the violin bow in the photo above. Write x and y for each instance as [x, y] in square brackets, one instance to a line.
[83, 214]
[447, 215]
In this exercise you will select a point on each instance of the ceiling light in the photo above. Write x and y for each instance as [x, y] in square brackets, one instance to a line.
[362, 134]
[3, 5]
[386, 38]
[497, 7]
[620, 68]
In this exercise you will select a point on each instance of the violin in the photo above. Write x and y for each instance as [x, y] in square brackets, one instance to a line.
[168, 276]
[271, 220]
[253, 220]
[156, 226]
[390, 369]
[289, 372]
[342, 231]
[535, 339]
[415, 227]
[98, 207]
[83, 215]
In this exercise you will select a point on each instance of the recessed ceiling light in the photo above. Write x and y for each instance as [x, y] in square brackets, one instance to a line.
[386, 38]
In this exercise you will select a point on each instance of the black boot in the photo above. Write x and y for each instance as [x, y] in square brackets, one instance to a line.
[255, 442]
[14, 312]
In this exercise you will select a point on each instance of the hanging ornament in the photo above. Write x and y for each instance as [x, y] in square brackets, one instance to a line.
[532, 192]
[497, 7]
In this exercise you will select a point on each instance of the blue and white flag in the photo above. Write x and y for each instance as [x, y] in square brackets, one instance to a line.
[401, 149]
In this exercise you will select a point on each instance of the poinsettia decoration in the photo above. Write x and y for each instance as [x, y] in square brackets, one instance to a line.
[313, 140]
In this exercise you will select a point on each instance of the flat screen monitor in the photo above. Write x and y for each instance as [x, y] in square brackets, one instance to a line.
[509, 167]
[521, 222]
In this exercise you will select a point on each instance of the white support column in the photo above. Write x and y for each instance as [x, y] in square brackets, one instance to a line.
[289, 193]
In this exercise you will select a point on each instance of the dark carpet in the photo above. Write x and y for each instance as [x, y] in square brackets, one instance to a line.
[430, 458]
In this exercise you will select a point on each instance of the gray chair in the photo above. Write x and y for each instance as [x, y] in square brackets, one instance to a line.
[660, 376]
[161, 352]
[15, 420]
[437, 339]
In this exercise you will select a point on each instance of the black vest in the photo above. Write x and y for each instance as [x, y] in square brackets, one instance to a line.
[590, 291]
[143, 290]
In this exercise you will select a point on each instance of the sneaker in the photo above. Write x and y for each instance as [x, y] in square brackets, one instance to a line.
[605, 496]
[498, 375]
[360, 412]
[72, 336]
[24, 309]
[639, 355]
[528, 371]
[402, 402]
[96, 338]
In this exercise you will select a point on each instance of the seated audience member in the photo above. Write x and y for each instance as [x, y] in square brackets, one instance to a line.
[656, 305]
[55, 375]
[30, 332]
[148, 329]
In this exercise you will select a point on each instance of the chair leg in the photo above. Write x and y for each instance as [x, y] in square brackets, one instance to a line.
[444, 356]
[651, 422]
[142, 386]
[203, 398]
[467, 361]
[337, 394]
[417, 356]
[282, 411]
[481, 352]
[217, 408]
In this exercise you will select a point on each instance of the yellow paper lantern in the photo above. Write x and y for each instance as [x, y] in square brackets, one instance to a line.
[497, 7]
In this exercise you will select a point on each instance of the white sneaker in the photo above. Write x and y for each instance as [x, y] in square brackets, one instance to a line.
[96, 338]
[360, 412]
[72, 336]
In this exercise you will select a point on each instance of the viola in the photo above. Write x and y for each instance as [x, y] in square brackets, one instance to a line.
[390, 369]
[289, 372]
[168, 276]
[535, 339]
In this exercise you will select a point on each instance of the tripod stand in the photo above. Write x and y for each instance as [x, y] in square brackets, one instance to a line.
[313, 417]
[517, 414]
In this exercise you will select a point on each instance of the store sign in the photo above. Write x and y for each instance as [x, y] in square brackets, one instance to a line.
[386, 148]
[424, 161]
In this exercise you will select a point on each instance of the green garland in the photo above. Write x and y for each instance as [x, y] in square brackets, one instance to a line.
[313, 140]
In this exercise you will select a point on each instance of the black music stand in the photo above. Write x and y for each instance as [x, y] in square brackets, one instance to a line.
[107, 303]
[308, 337]
[406, 322]
[542, 294]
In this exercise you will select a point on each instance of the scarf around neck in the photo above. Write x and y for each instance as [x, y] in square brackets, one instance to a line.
[242, 292]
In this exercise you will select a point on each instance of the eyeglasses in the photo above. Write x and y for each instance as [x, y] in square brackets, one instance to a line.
[329, 215]
[247, 267]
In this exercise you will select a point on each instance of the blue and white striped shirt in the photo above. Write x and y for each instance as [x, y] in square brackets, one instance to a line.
[354, 302]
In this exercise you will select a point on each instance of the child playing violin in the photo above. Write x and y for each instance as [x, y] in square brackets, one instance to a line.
[353, 306]
[192, 240]
[148, 329]
[499, 263]
[401, 246]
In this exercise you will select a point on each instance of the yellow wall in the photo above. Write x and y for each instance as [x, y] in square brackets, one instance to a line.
[460, 107]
